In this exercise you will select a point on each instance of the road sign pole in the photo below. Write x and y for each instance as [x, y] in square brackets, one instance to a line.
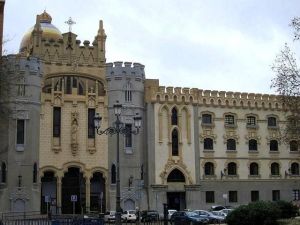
[73, 208]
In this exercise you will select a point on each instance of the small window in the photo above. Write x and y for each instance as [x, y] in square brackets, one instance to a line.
[254, 196]
[273, 145]
[113, 174]
[128, 136]
[295, 169]
[231, 144]
[276, 195]
[3, 172]
[20, 132]
[272, 122]
[34, 173]
[174, 118]
[229, 120]
[252, 145]
[251, 121]
[233, 196]
[91, 128]
[209, 168]
[254, 169]
[128, 92]
[275, 169]
[296, 195]
[232, 170]
[293, 146]
[175, 150]
[208, 144]
[206, 119]
[210, 196]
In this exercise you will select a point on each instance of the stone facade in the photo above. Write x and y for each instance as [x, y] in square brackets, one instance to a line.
[196, 148]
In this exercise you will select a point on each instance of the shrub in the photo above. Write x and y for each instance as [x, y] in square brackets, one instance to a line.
[257, 213]
[287, 209]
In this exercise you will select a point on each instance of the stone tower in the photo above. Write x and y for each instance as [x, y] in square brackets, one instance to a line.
[125, 84]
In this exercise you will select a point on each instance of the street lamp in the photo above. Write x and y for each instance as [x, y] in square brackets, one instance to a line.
[118, 128]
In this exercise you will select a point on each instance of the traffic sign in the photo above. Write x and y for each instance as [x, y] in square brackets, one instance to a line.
[73, 198]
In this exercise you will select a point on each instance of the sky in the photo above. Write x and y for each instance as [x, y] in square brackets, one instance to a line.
[225, 45]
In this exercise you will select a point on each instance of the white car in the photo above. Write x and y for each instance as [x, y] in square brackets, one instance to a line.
[110, 216]
[129, 215]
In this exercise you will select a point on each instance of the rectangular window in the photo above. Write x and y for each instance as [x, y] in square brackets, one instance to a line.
[20, 132]
[254, 196]
[56, 121]
[272, 122]
[276, 195]
[91, 128]
[251, 121]
[128, 136]
[210, 196]
[206, 119]
[229, 119]
[233, 196]
[296, 195]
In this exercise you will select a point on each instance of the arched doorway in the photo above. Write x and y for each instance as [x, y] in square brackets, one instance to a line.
[98, 193]
[73, 183]
[176, 199]
[48, 193]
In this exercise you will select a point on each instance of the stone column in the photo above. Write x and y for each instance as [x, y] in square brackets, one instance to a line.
[87, 193]
[58, 194]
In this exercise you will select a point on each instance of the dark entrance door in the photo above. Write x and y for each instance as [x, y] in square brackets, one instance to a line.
[176, 200]
[73, 183]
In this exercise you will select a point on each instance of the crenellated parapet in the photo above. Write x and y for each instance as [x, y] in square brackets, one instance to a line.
[121, 70]
[13, 65]
[212, 98]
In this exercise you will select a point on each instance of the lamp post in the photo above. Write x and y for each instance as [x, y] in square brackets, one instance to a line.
[118, 128]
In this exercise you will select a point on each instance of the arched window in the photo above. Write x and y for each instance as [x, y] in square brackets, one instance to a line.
[251, 121]
[231, 167]
[295, 169]
[34, 173]
[209, 168]
[208, 144]
[175, 142]
[293, 146]
[231, 144]
[272, 122]
[174, 118]
[176, 176]
[273, 145]
[3, 172]
[275, 169]
[254, 169]
[113, 174]
[252, 145]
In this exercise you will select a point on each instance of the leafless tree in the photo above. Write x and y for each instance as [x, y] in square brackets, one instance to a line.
[287, 85]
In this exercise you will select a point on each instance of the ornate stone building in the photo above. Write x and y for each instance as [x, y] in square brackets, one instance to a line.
[196, 148]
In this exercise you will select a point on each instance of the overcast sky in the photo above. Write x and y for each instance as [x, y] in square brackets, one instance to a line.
[205, 44]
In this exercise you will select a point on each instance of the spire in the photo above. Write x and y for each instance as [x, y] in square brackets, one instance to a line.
[101, 38]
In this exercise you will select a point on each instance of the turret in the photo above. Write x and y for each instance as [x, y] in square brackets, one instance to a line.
[100, 39]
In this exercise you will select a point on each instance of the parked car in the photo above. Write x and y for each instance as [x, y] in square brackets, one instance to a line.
[110, 216]
[149, 215]
[226, 211]
[170, 213]
[187, 217]
[217, 208]
[129, 215]
[210, 216]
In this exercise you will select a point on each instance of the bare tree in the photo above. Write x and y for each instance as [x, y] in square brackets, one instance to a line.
[287, 85]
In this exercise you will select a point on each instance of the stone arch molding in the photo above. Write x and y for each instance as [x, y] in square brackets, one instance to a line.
[170, 166]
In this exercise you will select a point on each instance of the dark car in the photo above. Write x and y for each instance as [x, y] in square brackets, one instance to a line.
[187, 217]
[149, 215]
[210, 216]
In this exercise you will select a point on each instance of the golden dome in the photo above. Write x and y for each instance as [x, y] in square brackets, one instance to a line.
[49, 31]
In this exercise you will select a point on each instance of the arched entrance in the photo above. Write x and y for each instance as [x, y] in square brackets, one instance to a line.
[48, 192]
[97, 193]
[176, 199]
[73, 183]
